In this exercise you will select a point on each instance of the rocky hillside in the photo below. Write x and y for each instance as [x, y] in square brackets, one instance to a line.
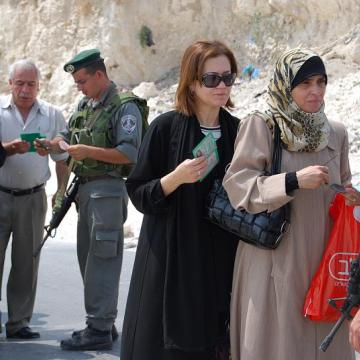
[142, 40]
[51, 32]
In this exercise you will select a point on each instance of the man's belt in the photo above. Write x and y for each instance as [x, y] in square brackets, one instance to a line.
[22, 192]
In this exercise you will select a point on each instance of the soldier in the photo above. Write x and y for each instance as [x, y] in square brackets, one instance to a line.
[23, 201]
[103, 136]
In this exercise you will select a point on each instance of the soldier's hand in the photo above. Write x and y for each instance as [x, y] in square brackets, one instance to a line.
[42, 146]
[78, 152]
[16, 146]
[53, 198]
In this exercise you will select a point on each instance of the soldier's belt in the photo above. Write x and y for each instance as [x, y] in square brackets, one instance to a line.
[85, 179]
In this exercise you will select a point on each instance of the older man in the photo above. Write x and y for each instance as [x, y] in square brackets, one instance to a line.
[23, 202]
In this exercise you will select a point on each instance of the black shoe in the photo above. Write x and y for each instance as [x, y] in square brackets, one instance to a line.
[114, 333]
[23, 333]
[88, 339]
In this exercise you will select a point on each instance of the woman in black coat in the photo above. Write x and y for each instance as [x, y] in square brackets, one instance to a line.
[178, 303]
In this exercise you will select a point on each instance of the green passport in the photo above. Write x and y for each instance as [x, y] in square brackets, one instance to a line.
[30, 137]
[207, 147]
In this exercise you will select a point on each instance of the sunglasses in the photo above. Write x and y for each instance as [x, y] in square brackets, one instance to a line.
[212, 80]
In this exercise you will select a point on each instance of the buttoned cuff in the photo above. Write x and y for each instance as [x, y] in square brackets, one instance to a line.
[291, 182]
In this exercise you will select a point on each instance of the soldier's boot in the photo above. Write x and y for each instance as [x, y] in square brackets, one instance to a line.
[114, 333]
[88, 339]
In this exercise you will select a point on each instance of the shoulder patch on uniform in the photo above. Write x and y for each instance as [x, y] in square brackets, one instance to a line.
[128, 123]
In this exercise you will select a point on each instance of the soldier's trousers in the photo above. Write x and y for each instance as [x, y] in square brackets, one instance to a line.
[23, 217]
[102, 213]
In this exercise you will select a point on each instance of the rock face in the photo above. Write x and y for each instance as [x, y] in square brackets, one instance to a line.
[50, 32]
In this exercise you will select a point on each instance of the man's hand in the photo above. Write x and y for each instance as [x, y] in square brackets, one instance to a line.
[53, 198]
[16, 146]
[42, 146]
[79, 151]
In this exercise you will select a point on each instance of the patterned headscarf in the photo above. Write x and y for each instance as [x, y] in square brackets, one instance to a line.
[300, 131]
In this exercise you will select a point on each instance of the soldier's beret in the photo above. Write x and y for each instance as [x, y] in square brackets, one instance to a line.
[83, 59]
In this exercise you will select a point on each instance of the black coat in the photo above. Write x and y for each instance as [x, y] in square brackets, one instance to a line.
[2, 155]
[180, 288]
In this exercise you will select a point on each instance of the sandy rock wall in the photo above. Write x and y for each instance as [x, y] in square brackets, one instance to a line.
[51, 32]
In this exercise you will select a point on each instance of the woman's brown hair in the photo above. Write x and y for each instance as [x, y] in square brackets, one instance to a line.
[192, 65]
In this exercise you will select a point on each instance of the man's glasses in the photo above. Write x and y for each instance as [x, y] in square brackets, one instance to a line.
[212, 80]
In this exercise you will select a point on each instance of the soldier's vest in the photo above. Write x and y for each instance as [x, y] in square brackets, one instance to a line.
[91, 127]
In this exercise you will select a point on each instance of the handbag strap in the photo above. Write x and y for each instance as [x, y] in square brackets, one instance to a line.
[277, 152]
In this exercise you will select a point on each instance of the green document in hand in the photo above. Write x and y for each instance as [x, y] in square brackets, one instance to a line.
[30, 138]
[207, 147]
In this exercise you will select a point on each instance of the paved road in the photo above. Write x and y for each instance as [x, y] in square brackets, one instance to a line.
[59, 307]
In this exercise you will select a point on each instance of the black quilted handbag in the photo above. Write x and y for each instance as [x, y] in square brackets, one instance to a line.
[264, 229]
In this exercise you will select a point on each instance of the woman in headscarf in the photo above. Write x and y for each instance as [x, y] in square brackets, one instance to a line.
[179, 298]
[269, 286]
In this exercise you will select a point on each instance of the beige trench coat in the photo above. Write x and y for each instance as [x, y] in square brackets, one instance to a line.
[269, 286]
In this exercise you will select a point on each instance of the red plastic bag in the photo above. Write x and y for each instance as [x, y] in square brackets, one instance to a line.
[331, 278]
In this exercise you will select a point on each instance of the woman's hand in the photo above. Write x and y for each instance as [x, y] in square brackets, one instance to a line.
[352, 197]
[312, 177]
[189, 171]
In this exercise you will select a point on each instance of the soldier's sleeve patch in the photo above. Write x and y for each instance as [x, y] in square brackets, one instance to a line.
[128, 123]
